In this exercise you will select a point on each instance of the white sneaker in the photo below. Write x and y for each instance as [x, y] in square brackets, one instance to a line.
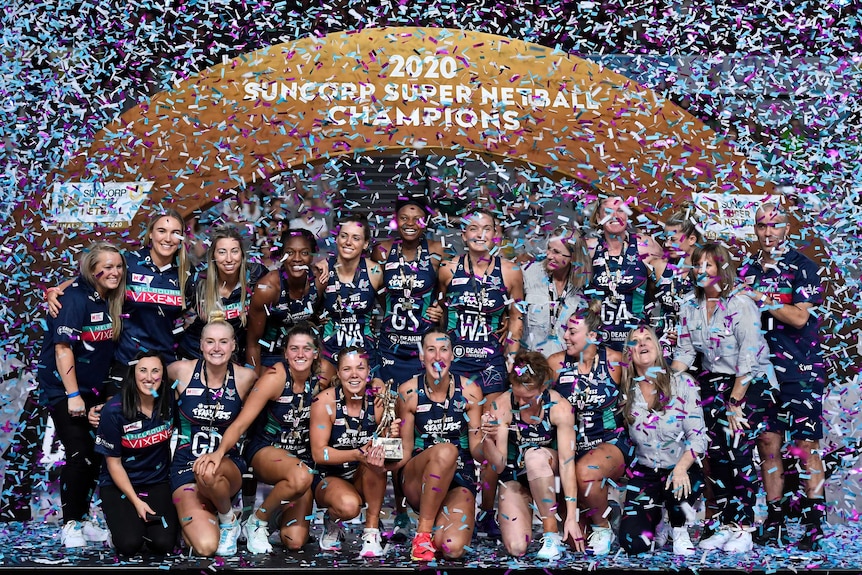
[256, 535]
[371, 543]
[739, 542]
[552, 547]
[717, 539]
[600, 540]
[682, 544]
[93, 532]
[227, 538]
[332, 535]
[72, 535]
[662, 534]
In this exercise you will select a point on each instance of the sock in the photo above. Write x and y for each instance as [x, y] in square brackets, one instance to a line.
[225, 518]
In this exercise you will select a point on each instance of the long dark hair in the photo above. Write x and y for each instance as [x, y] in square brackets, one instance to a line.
[163, 402]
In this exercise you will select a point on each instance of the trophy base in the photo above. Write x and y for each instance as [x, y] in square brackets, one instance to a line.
[393, 448]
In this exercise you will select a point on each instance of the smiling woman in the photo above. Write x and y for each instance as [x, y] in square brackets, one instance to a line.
[351, 282]
[225, 284]
[665, 421]
[352, 471]
[724, 326]
[283, 298]
[134, 435]
[153, 299]
[210, 393]
[73, 369]
[553, 290]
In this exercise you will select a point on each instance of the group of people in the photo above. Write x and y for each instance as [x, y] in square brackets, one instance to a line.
[488, 390]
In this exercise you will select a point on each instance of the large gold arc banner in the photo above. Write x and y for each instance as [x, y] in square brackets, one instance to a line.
[425, 89]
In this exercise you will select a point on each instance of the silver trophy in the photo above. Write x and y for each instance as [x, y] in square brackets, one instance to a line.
[393, 448]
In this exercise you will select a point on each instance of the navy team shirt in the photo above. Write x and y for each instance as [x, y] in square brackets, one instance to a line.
[84, 324]
[143, 444]
[795, 353]
[154, 307]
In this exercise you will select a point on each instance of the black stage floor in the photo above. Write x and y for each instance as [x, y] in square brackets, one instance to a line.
[35, 547]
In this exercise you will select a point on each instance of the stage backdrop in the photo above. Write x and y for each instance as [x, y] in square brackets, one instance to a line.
[390, 89]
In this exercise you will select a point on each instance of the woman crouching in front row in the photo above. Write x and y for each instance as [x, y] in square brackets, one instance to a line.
[352, 472]
[532, 445]
[665, 419]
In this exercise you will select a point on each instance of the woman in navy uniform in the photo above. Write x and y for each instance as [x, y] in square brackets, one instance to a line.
[673, 276]
[622, 262]
[210, 393]
[352, 472]
[441, 414]
[410, 265]
[225, 284]
[533, 448]
[154, 304]
[134, 436]
[278, 412]
[351, 282]
[76, 356]
[481, 291]
[283, 298]
[588, 375]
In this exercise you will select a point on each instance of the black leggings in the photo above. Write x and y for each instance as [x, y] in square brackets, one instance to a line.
[128, 531]
[731, 457]
[81, 470]
[645, 497]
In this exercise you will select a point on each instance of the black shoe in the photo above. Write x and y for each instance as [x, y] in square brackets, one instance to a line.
[770, 534]
[811, 539]
[487, 524]
[615, 515]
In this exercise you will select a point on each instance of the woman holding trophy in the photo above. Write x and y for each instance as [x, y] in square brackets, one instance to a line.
[346, 421]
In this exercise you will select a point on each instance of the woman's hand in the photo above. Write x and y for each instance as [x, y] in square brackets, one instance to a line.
[395, 428]
[321, 269]
[142, 509]
[572, 533]
[52, 298]
[206, 464]
[679, 483]
[373, 456]
[94, 416]
[736, 419]
[434, 312]
[488, 427]
[76, 406]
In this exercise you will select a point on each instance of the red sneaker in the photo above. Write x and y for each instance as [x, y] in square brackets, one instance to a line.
[423, 547]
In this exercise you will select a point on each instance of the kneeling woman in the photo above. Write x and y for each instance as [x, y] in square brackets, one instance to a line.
[587, 376]
[351, 472]
[662, 409]
[533, 445]
[278, 448]
[210, 393]
[440, 414]
[135, 437]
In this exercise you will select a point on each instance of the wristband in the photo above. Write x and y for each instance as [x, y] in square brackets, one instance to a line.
[75, 393]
